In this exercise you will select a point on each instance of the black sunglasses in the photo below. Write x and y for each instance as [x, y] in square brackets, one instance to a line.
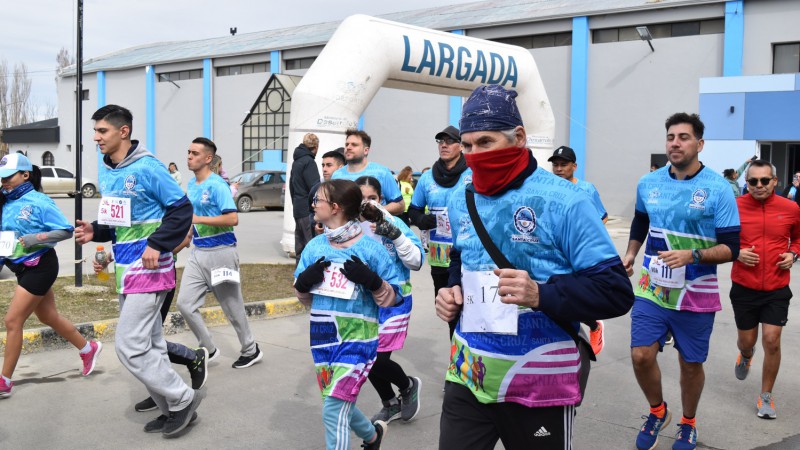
[754, 181]
[448, 141]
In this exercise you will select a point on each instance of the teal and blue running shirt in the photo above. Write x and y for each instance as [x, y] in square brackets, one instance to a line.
[211, 198]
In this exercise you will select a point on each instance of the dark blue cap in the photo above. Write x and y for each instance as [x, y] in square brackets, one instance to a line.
[490, 108]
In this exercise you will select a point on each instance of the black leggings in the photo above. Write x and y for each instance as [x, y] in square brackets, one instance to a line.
[386, 373]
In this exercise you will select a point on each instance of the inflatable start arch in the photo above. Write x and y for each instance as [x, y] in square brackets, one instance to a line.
[366, 53]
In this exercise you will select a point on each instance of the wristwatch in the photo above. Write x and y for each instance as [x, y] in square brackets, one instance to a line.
[696, 256]
[794, 256]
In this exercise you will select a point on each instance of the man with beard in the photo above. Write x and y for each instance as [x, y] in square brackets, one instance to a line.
[689, 216]
[433, 192]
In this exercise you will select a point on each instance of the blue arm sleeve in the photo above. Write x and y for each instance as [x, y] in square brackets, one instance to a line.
[600, 292]
[174, 226]
[640, 226]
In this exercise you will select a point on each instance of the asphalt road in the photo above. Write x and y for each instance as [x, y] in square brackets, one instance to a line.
[276, 404]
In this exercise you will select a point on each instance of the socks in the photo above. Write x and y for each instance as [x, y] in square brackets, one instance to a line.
[7, 380]
[659, 411]
[86, 348]
[692, 421]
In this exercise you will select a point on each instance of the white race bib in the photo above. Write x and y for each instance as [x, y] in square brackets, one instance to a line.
[224, 275]
[662, 275]
[114, 211]
[8, 241]
[335, 283]
[443, 224]
[483, 311]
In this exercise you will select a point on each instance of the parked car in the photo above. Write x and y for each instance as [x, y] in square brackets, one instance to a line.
[56, 180]
[259, 189]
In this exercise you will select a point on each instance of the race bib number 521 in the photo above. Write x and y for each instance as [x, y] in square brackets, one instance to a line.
[114, 211]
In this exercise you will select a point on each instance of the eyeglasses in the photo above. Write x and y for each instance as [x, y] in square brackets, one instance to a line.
[754, 181]
[317, 199]
[448, 141]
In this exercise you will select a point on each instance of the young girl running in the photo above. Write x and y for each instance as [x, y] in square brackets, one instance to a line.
[405, 251]
[344, 277]
[31, 226]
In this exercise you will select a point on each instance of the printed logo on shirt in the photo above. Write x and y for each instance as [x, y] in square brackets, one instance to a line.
[464, 227]
[699, 196]
[467, 180]
[525, 223]
[652, 197]
[130, 183]
[25, 213]
[204, 197]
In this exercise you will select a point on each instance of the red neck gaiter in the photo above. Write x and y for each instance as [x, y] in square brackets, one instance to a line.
[493, 170]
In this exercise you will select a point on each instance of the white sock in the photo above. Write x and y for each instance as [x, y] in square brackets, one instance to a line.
[86, 348]
[7, 380]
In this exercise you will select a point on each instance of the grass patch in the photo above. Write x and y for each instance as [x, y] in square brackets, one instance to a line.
[259, 282]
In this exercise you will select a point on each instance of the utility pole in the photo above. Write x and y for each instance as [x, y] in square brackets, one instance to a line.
[78, 142]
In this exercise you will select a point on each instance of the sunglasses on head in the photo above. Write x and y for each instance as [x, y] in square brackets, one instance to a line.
[754, 181]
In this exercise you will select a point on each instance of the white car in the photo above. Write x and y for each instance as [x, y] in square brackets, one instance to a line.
[56, 180]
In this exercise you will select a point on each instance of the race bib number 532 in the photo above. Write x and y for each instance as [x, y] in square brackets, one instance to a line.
[335, 283]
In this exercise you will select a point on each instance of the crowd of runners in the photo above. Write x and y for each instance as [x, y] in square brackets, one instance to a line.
[519, 257]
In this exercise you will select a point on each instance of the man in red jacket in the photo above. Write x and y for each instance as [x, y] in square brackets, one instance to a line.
[770, 241]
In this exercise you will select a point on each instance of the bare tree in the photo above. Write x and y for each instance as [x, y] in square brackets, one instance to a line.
[19, 107]
[63, 59]
[3, 94]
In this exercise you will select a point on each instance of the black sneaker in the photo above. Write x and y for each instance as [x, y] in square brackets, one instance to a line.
[147, 404]
[213, 355]
[198, 369]
[178, 420]
[157, 425]
[380, 431]
[409, 399]
[391, 410]
[247, 361]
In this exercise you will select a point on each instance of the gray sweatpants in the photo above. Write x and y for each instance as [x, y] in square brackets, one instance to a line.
[141, 348]
[196, 280]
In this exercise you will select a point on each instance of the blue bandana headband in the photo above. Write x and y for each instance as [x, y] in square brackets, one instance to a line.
[490, 108]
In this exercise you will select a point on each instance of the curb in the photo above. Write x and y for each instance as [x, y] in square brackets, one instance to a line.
[44, 339]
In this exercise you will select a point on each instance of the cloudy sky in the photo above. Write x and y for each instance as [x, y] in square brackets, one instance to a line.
[32, 31]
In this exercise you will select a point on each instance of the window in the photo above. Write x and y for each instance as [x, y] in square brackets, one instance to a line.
[267, 125]
[539, 40]
[84, 94]
[300, 63]
[660, 30]
[47, 172]
[48, 159]
[63, 173]
[180, 75]
[243, 69]
[786, 58]
[266, 178]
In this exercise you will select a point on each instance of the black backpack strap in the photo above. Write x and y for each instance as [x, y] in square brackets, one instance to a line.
[500, 259]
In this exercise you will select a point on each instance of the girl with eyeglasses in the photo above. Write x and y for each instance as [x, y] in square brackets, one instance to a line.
[405, 251]
[31, 226]
[344, 276]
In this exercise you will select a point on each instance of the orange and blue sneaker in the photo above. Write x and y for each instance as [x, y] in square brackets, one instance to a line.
[5, 388]
[743, 365]
[648, 435]
[766, 406]
[597, 337]
[686, 438]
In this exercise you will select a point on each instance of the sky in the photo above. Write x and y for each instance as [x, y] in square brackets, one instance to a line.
[33, 31]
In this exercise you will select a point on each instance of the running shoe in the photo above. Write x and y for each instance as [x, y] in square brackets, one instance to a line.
[597, 337]
[743, 365]
[686, 438]
[90, 358]
[5, 388]
[147, 404]
[198, 369]
[766, 406]
[213, 355]
[247, 361]
[648, 435]
[157, 425]
[178, 420]
[380, 432]
[409, 399]
[391, 410]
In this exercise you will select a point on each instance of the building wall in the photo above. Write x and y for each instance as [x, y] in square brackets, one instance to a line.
[34, 152]
[179, 119]
[631, 92]
[554, 67]
[766, 23]
[65, 150]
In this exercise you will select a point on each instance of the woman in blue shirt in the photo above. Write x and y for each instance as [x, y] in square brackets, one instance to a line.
[31, 226]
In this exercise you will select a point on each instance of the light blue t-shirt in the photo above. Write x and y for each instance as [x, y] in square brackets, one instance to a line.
[31, 213]
[389, 188]
[594, 195]
[211, 198]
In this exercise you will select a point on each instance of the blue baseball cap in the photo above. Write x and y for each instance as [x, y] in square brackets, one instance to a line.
[13, 163]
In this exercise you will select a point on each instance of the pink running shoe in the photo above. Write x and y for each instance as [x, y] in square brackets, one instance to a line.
[5, 389]
[89, 359]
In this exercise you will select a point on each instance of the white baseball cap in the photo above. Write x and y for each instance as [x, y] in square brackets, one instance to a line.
[13, 163]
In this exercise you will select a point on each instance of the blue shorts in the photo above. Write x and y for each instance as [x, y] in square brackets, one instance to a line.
[691, 330]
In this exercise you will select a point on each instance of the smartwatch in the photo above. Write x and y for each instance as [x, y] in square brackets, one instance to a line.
[696, 256]
[794, 256]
